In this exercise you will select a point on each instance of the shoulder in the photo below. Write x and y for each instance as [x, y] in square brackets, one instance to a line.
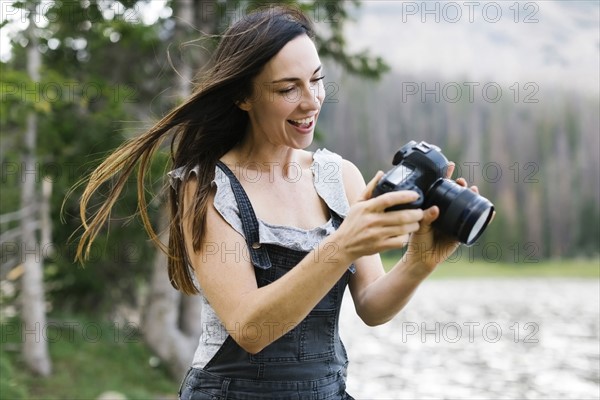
[354, 182]
[219, 194]
[330, 161]
[351, 172]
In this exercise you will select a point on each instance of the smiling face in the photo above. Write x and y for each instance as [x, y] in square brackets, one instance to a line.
[287, 96]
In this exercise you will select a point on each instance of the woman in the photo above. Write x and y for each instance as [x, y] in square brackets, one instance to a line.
[256, 221]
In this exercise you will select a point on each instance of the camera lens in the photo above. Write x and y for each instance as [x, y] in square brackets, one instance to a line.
[463, 213]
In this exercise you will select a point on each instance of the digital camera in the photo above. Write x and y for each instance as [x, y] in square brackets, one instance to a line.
[422, 167]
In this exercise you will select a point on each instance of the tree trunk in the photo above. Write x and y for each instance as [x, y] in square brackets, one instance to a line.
[35, 347]
[47, 246]
[184, 22]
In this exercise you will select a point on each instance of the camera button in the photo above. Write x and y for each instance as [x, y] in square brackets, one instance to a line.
[423, 147]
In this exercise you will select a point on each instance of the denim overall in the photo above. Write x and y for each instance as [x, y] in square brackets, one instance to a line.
[309, 362]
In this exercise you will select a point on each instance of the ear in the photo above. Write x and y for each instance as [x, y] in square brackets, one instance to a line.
[244, 105]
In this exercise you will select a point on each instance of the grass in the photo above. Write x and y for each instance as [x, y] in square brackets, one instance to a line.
[464, 268]
[88, 359]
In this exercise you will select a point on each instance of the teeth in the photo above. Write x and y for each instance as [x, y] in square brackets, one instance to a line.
[304, 121]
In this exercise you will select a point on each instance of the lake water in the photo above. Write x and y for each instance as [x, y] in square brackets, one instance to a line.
[481, 339]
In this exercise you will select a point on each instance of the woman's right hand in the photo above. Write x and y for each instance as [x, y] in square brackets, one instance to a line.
[369, 229]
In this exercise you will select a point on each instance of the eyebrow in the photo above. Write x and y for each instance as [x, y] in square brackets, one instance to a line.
[295, 79]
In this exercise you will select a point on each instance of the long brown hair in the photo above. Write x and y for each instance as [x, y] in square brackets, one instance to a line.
[203, 129]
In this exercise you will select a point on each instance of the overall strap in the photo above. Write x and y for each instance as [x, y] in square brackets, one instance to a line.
[336, 221]
[258, 253]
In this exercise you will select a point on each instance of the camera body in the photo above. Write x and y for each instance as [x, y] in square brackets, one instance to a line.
[421, 167]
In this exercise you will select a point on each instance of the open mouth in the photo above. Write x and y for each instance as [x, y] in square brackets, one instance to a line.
[305, 123]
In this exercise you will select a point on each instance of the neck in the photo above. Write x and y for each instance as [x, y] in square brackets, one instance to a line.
[264, 156]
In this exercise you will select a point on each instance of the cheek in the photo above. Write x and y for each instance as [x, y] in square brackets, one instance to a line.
[274, 110]
[321, 92]
[284, 107]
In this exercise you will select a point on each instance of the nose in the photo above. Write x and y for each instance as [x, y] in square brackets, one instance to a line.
[311, 99]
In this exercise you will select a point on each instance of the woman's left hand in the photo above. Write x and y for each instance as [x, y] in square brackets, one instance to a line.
[428, 247]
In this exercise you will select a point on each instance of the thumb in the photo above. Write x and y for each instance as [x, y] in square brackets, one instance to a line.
[430, 215]
[368, 191]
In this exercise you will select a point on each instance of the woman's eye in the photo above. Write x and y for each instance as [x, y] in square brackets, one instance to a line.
[287, 90]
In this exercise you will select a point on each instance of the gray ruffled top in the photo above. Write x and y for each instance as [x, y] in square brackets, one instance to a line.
[327, 178]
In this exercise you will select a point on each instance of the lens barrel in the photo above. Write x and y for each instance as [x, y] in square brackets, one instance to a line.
[463, 213]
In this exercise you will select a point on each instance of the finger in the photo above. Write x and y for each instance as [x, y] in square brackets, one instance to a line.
[368, 191]
[450, 170]
[398, 230]
[395, 242]
[391, 199]
[401, 217]
[394, 231]
[475, 189]
[462, 182]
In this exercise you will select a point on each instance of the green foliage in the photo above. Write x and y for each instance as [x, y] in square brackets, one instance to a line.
[11, 386]
[85, 353]
[17, 97]
[90, 87]
[588, 239]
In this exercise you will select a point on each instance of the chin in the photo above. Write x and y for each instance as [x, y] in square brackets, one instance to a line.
[305, 142]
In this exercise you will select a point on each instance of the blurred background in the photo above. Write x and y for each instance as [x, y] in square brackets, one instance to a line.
[509, 90]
